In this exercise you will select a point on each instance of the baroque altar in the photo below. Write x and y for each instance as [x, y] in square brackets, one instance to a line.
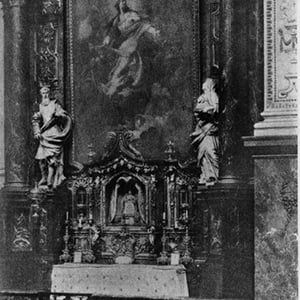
[124, 224]
[126, 210]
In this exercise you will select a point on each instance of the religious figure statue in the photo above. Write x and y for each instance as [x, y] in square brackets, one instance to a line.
[123, 37]
[51, 127]
[127, 207]
[205, 137]
[130, 212]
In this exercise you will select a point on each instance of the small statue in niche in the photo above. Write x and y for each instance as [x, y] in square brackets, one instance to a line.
[205, 137]
[127, 203]
[51, 127]
[130, 212]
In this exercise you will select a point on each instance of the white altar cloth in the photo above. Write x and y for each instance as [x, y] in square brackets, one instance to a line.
[147, 281]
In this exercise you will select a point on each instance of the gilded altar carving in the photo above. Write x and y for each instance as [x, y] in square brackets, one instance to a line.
[52, 7]
[216, 236]
[85, 231]
[47, 52]
[116, 196]
[22, 235]
[121, 246]
[127, 247]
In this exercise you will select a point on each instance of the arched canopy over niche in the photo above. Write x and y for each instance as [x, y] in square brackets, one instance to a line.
[126, 200]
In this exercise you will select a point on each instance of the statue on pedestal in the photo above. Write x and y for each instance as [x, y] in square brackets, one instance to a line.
[205, 137]
[51, 127]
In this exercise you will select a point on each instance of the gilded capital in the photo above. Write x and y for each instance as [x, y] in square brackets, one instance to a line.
[16, 3]
[13, 3]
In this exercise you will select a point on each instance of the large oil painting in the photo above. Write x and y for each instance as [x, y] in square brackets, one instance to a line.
[132, 63]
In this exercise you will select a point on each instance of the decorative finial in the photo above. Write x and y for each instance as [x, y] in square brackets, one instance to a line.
[170, 151]
[91, 153]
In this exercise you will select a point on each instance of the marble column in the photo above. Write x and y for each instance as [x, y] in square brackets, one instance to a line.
[1, 98]
[255, 67]
[16, 92]
[228, 134]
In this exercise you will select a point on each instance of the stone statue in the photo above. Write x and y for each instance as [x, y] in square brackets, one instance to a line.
[129, 208]
[205, 137]
[51, 127]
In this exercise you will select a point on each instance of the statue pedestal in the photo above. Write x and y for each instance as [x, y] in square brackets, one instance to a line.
[275, 209]
[147, 281]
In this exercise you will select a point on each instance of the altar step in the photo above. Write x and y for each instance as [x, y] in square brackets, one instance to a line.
[38, 295]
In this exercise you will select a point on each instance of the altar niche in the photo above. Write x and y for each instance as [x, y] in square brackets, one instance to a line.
[126, 205]
[126, 201]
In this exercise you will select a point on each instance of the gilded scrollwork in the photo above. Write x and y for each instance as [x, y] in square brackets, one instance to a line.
[22, 235]
[43, 236]
[47, 52]
[52, 7]
[142, 245]
[121, 246]
[48, 41]
[216, 235]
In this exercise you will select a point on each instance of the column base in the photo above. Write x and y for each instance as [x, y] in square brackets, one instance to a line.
[274, 125]
[16, 187]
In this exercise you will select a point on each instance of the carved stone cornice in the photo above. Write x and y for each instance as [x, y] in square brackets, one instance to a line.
[13, 3]
[8, 4]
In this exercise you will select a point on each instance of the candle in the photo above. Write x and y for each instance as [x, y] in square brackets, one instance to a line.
[67, 215]
[164, 216]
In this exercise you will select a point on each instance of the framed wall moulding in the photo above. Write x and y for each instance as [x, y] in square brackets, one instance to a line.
[280, 52]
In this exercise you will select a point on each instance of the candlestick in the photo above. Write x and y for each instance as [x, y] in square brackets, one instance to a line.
[66, 257]
[163, 259]
[176, 224]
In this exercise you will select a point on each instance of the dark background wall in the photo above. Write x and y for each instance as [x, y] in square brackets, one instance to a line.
[237, 62]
